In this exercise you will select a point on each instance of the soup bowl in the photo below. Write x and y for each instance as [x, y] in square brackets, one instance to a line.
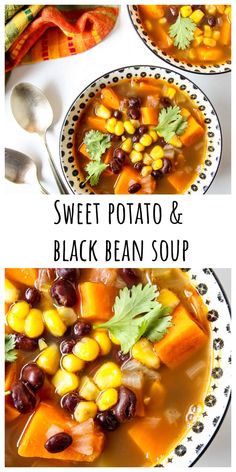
[205, 167]
[218, 68]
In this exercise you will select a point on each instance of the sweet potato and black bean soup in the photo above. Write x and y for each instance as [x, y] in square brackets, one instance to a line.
[141, 135]
[104, 367]
[195, 34]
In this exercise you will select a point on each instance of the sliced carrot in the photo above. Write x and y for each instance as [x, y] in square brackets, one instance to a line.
[97, 300]
[149, 115]
[163, 39]
[225, 33]
[193, 132]
[93, 122]
[206, 54]
[110, 99]
[32, 442]
[23, 276]
[11, 374]
[83, 150]
[182, 340]
[152, 11]
[127, 177]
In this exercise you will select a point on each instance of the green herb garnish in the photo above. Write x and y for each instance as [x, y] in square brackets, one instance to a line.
[137, 314]
[10, 352]
[171, 122]
[96, 144]
[182, 32]
[94, 170]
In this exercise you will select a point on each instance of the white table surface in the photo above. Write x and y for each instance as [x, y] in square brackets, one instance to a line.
[63, 79]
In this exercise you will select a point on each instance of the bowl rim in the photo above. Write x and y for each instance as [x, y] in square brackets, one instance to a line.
[155, 50]
[133, 66]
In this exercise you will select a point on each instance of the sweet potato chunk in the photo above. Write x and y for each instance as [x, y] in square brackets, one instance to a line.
[192, 133]
[149, 115]
[93, 122]
[83, 150]
[36, 434]
[11, 375]
[110, 99]
[225, 34]
[126, 178]
[10, 412]
[97, 300]
[152, 11]
[179, 180]
[182, 340]
[24, 276]
[164, 40]
[143, 434]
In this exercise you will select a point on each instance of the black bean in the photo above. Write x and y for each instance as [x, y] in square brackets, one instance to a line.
[142, 130]
[135, 102]
[81, 328]
[63, 293]
[121, 357]
[70, 401]
[117, 114]
[211, 20]
[120, 155]
[157, 174]
[135, 137]
[32, 296]
[165, 102]
[166, 166]
[161, 142]
[114, 137]
[138, 166]
[134, 188]
[130, 276]
[198, 7]
[67, 345]
[125, 408]
[172, 12]
[24, 400]
[58, 443]
[24, 343]
[115, 166]
[32, 376]
[133, 113]
[107, 420]
[69, 274]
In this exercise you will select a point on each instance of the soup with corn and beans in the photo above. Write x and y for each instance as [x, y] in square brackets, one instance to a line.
[86, 384]
[195, 34]
[143, 136]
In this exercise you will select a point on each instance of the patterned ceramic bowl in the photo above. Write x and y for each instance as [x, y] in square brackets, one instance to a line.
[207, 424]
[208, 69]
[68, 144]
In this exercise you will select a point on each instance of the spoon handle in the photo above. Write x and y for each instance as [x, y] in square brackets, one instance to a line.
[42, 189]
[57, 178]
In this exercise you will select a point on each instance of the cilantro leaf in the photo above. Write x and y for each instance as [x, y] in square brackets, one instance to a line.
[182, 31]
[94, 170]
[137, 314]
[10, 352]
[171, 122]
[96, 144]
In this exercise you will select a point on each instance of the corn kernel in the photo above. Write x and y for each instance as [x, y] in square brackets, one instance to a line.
[15, 323]
[111, 124]
[147, 160]
[211, 9]
[146, 140]
[34, 325]
[119, 128]
[42, 344]
[135, 123]
[65, 382]
[84, 411]
[11, 292]
[72, 363]
[153, 135]
[197, 16]
[54, 323]
[114, 340]
[127, 145]
[103, 341]
[216, 35]
[129, 127]
[220, 9]
[162, 20]
[169, 92]
[157, 152]
[86, 349]
[67, 315]
[157, 164]
[207, 31]
[148, 25]
[143, 352]
[175, 141]
[135, 156]
[209, 42]
[139, 147]
[185, 113]
[107, 399]
[20, 309]
[88, 389]
[228, 12]
[197, 41]
[192, 54]
[108, 376]
[197, 32]
[185, 11]
[146, 170]
[49, 359]
[102, 111]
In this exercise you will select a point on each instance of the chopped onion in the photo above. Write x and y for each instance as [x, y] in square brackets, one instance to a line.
[53, 430]
[152, 421]
[148, 184]
[169, 151]
[107, 277]
[133, 379]
[136, 366]
[195, 370]
[84, 444]
[172, 415]
[84, 428]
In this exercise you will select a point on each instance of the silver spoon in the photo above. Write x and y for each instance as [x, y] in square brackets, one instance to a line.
[33, 112]
[21, 169]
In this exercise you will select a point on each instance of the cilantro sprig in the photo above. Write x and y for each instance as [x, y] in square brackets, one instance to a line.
[10, 352]
[96, 144]
[182, 32]
[137, 313]
[171, 122]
